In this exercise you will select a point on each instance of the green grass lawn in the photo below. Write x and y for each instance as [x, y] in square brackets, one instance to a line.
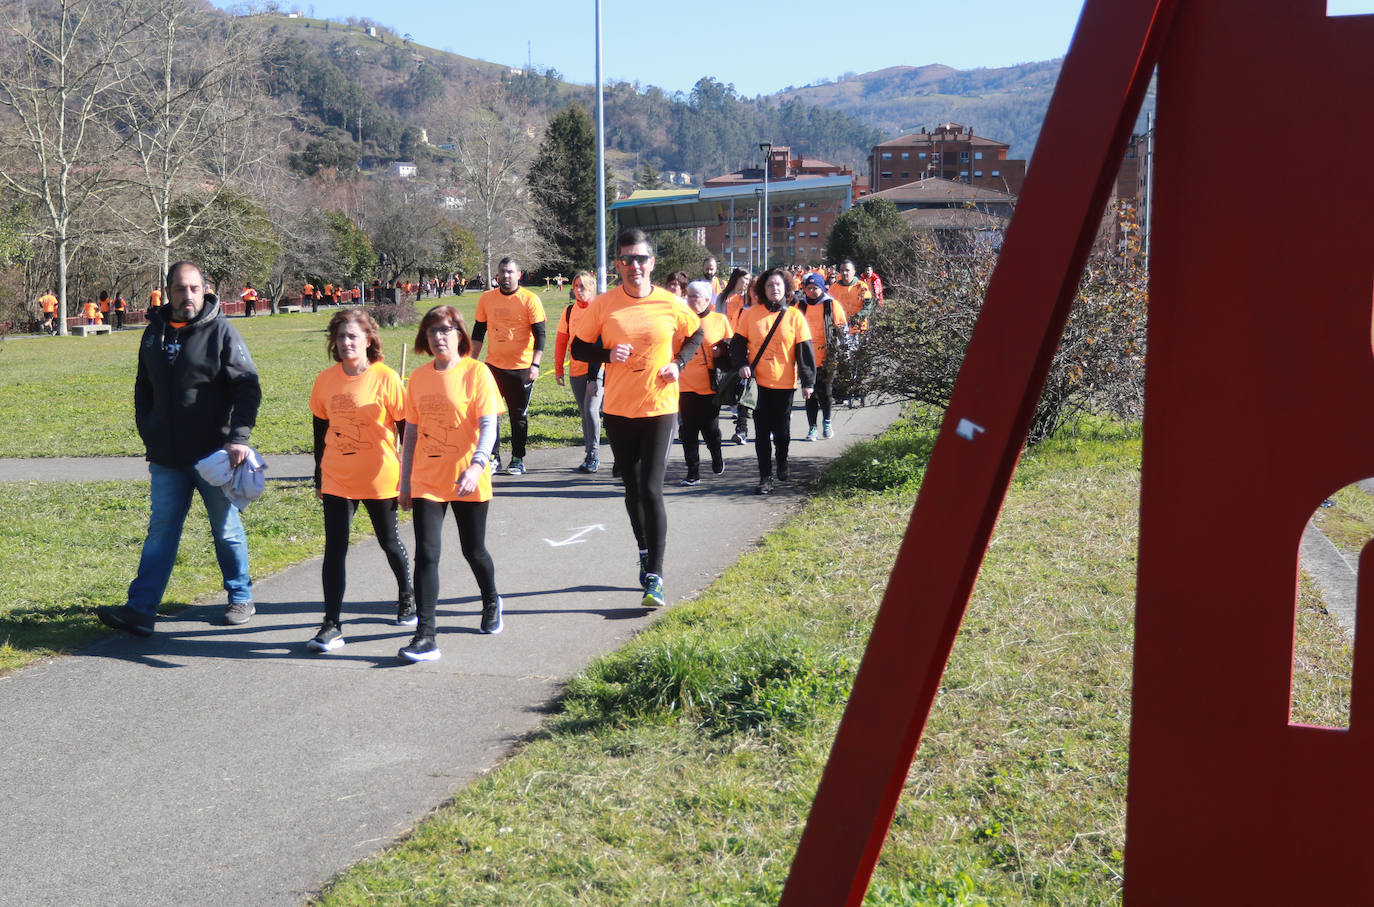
[679, 769]
[73, 396]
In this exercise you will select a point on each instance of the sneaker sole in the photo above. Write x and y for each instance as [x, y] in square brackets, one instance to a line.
[652, 602]
[411, 621]
[330, 646]
[500, 625]
[416, 657]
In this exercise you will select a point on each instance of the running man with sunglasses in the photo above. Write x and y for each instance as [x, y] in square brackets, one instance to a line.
[645, 336]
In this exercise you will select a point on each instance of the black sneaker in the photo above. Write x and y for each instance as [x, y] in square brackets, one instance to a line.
[126, 619]
[238, 613]
[717, 463]
[784, 477]
[405, 611]
[692, 479]
[491, 617]
[328, 639]
[421, 648]
[765, 487]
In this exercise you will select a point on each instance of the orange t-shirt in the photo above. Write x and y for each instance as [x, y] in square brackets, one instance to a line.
[443, 407]
[656, 326]
[733, 306]
[695, 377]
[577, 368]
[360, 460]
[105, 306]
[815, 320]
[777, 368]
[509, 340]
[852, 298]
[155, 298]
[49, 303]
[89, 310]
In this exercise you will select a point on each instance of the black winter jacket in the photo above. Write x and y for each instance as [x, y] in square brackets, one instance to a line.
[197, 387]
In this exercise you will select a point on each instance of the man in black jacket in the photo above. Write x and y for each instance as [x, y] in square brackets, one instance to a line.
[196, 391]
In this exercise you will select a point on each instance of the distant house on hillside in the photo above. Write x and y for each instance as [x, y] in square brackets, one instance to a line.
[402, 169]
[950, 152]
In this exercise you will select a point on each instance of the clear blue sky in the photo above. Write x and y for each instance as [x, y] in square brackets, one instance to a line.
[674, 45]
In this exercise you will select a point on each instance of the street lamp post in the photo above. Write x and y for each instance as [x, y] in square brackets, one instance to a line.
[767, 149]
[759, 232]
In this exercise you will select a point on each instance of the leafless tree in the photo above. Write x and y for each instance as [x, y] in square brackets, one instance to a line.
[61, 63]
[495, 142]
[190, 113]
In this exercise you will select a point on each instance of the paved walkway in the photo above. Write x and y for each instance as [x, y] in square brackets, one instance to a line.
[226, 765]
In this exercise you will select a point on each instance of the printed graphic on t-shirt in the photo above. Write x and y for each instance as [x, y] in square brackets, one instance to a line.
[344, 425]
[436, 417]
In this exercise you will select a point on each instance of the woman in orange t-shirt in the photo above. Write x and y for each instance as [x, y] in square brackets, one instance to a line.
[359, 413]
[645, 336]
[781, 359]
[697, 398]
[452, 405]
[586, 383]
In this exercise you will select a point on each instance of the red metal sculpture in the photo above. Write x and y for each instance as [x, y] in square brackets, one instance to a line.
[1260, 372]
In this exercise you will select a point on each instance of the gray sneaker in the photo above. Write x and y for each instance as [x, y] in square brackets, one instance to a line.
[239, 613]
[516, 467]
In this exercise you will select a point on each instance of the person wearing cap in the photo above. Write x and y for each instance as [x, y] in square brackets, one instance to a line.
[196, 390]
[829, 327]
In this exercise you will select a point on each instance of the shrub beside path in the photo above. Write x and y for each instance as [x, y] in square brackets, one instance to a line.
[228, 765]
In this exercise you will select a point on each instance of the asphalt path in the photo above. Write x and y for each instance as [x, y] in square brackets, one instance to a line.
[227, 765]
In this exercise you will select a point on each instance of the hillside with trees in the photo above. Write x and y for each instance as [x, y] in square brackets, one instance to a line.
[1007, 103]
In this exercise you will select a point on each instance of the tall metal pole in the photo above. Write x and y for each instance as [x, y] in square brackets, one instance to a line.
[600, 165]
[1149, 181]
[767, 149]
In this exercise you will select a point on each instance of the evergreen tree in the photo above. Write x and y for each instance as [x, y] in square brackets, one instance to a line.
[563, 182]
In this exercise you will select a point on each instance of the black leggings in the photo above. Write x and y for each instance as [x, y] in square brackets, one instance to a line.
[773, 416]
[471, 518]
[338, 523]
[700, 416]
[819, 401]
[515, 387]
[640, 447]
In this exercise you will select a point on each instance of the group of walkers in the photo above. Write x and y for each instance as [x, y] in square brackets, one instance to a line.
[645, 362]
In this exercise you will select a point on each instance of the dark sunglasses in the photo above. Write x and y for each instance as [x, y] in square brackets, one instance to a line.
[640, 260]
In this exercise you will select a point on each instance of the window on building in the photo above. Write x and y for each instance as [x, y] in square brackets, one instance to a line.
[977, 155]
[886, 174]
[997, 173]
[935, 156]
[814, 234]
[977, 173]
[906, 155]
[963, 157]
[887, 155]
[801, 204]
[921, 156]
[906, 174]
[814, 219]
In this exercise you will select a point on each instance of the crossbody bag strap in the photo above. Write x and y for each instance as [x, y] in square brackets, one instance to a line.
[753, 366]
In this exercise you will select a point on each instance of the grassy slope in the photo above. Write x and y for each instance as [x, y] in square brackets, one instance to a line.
[680, 768]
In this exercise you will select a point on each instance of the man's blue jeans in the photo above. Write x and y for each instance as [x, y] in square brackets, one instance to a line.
[171, 499]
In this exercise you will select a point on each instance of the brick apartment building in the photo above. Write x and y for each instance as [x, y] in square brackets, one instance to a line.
[797, 230]
[949, 152]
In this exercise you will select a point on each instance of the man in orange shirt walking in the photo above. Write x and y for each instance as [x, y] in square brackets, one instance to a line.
[514, 317]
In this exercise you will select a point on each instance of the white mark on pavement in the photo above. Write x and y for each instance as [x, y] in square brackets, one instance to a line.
[969, 430]
[576, 537]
